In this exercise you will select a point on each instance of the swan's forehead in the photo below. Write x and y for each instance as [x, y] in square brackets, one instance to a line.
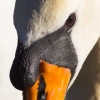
[49, 16]
[55, 12]
[54, 8]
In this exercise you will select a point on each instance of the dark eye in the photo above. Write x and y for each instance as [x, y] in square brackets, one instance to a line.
[70, 21]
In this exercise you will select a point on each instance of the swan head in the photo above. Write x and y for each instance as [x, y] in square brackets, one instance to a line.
[60, 32]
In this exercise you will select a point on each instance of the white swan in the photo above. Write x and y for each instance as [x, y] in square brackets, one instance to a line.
[84, 35]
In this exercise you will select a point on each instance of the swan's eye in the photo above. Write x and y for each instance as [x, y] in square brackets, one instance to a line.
[70, 21]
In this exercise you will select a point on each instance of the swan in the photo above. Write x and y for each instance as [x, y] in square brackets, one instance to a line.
[59, 32]
[36, 20]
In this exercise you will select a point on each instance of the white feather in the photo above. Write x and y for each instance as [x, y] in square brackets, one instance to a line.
[86, 31]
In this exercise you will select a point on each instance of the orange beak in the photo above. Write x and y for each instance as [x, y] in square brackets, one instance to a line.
[56, 80]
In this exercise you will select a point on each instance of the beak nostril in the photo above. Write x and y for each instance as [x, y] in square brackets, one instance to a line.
[43, 97]
[41, 89]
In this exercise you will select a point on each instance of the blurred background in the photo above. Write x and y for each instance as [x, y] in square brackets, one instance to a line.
[8, 43]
